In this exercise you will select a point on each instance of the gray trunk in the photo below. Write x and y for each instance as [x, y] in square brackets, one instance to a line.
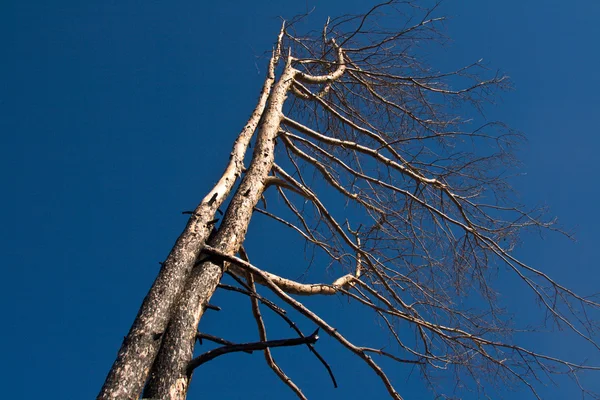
[129, 372]
[169, 379]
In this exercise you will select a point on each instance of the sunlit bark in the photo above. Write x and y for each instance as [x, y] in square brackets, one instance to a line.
[354, 108]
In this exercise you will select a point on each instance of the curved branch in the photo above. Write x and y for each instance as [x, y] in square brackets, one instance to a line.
[359, 351]
[335, 75]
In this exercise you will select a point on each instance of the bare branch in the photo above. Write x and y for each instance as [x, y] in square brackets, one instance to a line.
[312, 316]
[245, 347]
[283, 315]
[262, 331]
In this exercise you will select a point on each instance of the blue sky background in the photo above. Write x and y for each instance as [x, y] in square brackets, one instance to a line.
[115, 116]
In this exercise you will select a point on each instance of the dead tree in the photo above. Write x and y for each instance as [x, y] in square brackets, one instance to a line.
[425, 220]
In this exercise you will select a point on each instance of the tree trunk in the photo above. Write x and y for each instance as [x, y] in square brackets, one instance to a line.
[169, 378]
[128, 374]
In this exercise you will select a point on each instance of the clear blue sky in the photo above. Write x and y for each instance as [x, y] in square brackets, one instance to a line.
[115, 116]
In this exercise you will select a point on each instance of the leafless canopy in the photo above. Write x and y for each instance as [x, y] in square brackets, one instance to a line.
[424, 216]
[388, 167]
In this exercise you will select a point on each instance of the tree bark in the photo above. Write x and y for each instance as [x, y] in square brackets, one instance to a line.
[169, 378]
[128, 374]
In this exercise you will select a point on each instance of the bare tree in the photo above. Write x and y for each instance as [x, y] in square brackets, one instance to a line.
[352, 114]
